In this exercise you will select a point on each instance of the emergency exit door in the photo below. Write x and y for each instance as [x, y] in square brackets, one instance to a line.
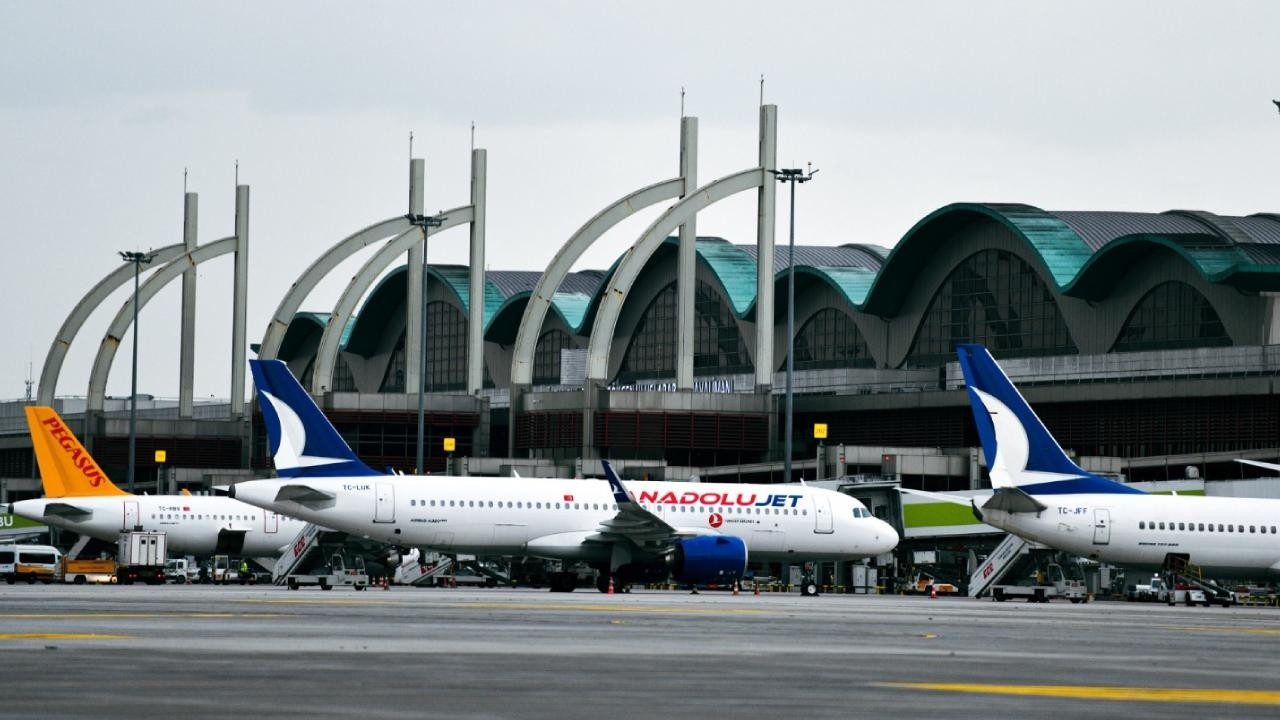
[384, 509]
[130, 515]
[1101, 526]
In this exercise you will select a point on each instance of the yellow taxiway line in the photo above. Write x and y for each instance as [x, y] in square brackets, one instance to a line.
[131, 615]
[654, 609]
[1092, 692]
[1234, 630]
[62, 636]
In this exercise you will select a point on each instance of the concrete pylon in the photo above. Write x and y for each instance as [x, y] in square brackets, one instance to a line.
[240, 303]
[687, 258]
[413, 282]
[475, 300]
[187, 342]
[765, 208]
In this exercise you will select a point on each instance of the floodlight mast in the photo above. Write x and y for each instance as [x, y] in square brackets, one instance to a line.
[138, 259]
[426, 222]
[793, 177]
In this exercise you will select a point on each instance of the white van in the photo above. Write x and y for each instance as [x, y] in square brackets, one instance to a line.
[29, 563]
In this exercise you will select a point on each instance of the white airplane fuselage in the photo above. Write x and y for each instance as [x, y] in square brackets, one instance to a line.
[193, 523]
[1233, 537]
[560, 519]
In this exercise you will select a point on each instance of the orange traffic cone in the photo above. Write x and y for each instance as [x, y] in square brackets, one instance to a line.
[610, 586]
[735, 589]
[385, 584]
[933, 592]
[757, 587]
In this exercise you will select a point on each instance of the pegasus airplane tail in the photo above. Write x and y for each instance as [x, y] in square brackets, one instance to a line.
[1019, 450]
[301, 439]
[66, 468]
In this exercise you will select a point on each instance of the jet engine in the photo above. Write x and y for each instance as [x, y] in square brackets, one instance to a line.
[709, 559]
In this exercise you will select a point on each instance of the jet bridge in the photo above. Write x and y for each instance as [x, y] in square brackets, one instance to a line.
[1007, 557]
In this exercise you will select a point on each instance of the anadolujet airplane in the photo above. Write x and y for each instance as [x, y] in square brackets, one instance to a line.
[1041, 495]
[81, 498]
[633, 531]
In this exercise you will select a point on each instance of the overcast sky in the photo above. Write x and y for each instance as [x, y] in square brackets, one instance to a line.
[905, 107]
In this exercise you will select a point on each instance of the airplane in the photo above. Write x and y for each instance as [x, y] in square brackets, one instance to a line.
[698, 533]
[81, 498]
[1041, 495]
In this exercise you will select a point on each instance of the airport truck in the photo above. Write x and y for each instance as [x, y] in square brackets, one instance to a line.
[140, 557]
[1054, 584]
[79, 572]
[334, 574]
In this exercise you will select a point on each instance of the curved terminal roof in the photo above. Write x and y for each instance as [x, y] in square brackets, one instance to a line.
[1082, 253]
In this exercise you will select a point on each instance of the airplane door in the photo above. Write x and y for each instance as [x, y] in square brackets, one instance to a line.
[384, 509]
[131, 517]
[272, 521]
[822, 514]
[1101, 526]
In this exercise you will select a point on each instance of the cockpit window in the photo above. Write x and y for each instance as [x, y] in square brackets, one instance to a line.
[860, 513]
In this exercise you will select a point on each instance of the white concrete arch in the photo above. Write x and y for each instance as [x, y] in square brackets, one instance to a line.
[323, 265]
[635, 258]
[327, 352]
[540, 301]
[80, 313]
[124, 318]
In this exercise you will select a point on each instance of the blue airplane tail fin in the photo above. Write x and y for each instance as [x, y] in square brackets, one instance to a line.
[301, 439]
[1019, 450]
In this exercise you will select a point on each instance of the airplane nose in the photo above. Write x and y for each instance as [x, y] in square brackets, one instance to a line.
[888, 536]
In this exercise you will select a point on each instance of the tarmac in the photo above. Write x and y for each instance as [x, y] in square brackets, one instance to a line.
[201, 651]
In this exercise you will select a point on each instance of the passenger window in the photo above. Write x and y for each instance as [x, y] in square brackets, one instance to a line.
[433, 503]
[1251, 528]
[413, 503]
[804, 512]
[1182, 526]
[1201, 527]
[1273, 529]
[1161, 526]
[1142, 525]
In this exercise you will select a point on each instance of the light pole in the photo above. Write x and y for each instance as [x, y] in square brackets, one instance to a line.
[138, 259]
[791, 176]
[425, 222]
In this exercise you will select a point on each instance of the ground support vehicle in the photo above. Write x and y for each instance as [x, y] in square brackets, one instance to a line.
[79, 572]
[29, 563]
[141, 557]
[1052, 583]
[334, 574]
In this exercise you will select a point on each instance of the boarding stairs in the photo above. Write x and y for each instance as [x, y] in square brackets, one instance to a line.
[299, 552]
[1000, 563]
[1183, 571]
[423, 571]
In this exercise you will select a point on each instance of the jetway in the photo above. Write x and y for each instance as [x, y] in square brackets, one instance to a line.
[1007, 557]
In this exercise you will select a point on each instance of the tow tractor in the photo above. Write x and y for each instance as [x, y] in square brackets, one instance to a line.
[1051, 584]
[334, 574]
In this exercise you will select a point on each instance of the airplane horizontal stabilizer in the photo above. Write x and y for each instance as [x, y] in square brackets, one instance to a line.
[1259, 463]
[303, 494]
[1013, 500]
[66, 510]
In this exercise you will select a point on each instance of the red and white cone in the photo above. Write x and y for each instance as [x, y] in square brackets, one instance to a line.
[933, 592]
[610, 586]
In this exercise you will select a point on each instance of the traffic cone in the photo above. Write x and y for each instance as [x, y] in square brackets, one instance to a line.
[757, 587]
[735, 589]
[610, 586]
[385, 585]
[933, 592]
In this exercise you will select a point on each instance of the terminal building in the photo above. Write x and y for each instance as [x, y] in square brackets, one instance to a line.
[1149, 343]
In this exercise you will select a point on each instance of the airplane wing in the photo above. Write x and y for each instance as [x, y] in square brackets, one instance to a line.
[66, 510]
[1009, 499]
[633, 522]
[303, 494]
[1259, 463]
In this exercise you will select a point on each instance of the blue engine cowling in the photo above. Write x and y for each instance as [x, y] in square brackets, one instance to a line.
[709, 559]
